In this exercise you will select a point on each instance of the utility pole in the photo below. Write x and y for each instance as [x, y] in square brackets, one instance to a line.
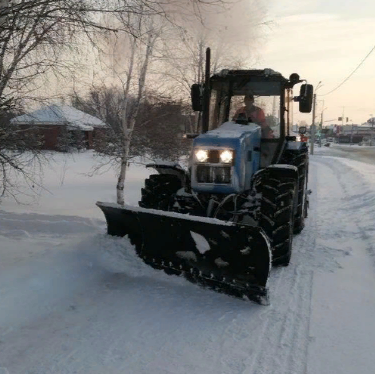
[312, 137]
[321, 123]
[320, 129]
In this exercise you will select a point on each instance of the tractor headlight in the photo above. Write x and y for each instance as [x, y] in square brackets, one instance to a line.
[201, 155]
[226, 156]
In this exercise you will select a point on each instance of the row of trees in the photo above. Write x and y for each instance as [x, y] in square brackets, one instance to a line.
[20, 154]
[142, 57]
[158, 129]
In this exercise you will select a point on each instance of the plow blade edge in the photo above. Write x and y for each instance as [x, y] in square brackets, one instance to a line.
[227, 257]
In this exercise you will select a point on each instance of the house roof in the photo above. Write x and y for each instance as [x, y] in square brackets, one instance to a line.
[58, 115]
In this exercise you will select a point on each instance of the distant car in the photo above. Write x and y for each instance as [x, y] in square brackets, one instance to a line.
[331, 140]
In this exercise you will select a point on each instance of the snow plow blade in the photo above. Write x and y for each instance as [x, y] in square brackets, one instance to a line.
[227, 257]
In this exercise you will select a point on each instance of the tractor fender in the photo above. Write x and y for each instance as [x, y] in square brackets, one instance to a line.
[276, 170]
[295, 146]
[172, 169]
[283, 171]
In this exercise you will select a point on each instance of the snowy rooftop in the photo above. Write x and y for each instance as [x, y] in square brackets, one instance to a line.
[60, 114]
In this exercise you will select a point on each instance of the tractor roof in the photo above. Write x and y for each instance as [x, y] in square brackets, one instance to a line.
[266, 82]
[257, 74]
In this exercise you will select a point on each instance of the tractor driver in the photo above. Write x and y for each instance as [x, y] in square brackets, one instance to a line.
[255, 114]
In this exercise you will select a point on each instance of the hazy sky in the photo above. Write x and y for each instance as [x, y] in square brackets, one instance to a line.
[321, 40]
[324, 41]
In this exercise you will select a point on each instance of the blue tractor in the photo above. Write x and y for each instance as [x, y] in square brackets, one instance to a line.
[232, 213]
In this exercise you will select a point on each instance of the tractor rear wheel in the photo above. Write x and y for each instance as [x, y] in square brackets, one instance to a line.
[300, 159]
[301, 214]
[277, 213]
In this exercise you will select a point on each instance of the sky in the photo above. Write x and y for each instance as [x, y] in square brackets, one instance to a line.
[325, 41]
[321, 40]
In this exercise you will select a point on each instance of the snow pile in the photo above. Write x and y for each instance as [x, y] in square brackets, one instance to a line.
[27, 225]
[118, 255]
[200, 242]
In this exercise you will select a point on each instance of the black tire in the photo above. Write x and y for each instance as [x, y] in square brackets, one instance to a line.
[159, 191]
[301, 214]
[302, 163]
[277, 213]
[299, 159]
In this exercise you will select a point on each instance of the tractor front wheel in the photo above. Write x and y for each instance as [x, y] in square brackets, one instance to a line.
[159, 191]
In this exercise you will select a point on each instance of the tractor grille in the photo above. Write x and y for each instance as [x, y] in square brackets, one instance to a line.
[213, 174]
[214, 156]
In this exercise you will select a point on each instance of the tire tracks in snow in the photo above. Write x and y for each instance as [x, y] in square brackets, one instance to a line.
[284, 342]
[282, 345]
[235, 329]
[231, 347]
[352, 202]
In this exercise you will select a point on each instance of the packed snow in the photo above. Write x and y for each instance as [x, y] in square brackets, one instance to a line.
[200, 242]
[73, 300]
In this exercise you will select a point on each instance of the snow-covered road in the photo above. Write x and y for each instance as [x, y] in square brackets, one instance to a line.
[353, 152]
[75, 301]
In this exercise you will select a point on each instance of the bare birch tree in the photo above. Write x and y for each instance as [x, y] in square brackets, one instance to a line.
[233, 33]
[20, 154]
[129, 117]
[131, 74]
[174, 59]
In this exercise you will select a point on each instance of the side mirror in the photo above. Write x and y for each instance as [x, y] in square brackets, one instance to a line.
[306, 98]
[196, 97]
[302, 130]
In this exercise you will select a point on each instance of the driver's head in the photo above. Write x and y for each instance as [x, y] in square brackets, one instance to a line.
[249, 100]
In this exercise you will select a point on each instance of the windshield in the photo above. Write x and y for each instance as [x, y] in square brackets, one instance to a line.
[264, 111]
[257, 102]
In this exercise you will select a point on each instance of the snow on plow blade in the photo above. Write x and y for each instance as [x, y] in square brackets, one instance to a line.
[230, 258]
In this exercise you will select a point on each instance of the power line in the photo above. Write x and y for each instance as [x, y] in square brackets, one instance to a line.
[351, 74]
